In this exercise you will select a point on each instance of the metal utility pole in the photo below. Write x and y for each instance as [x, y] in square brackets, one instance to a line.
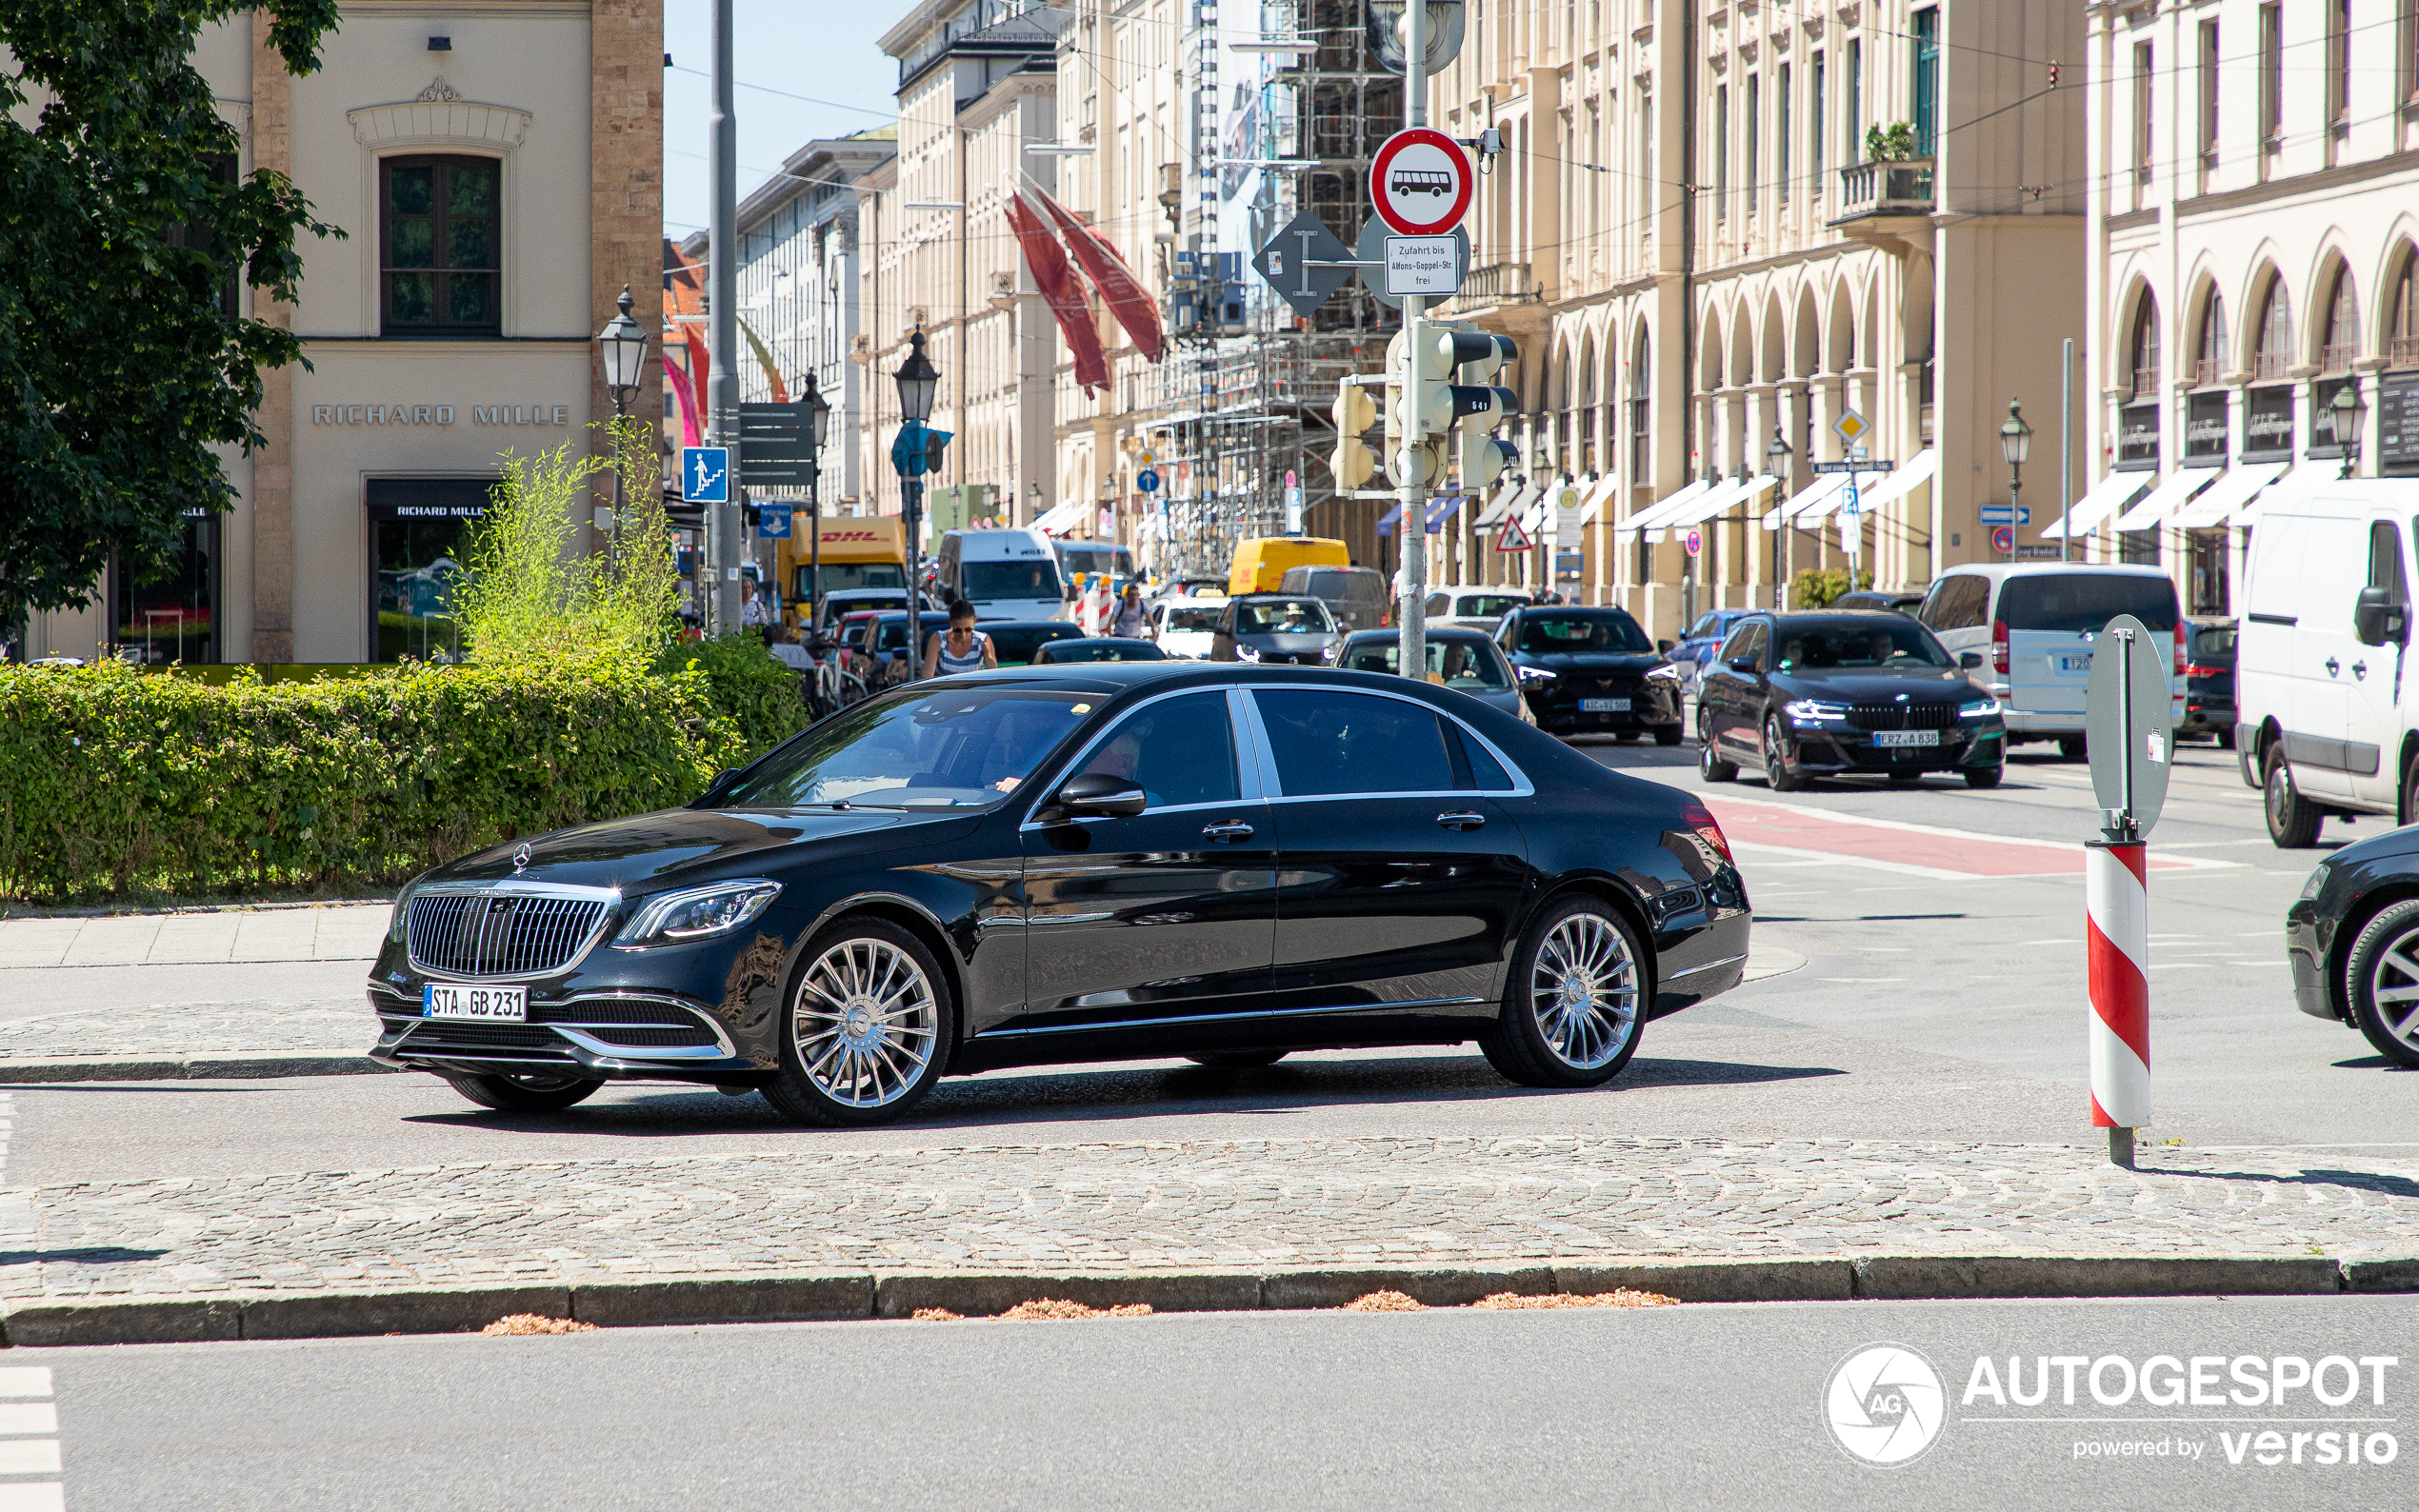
[1411, 525]
[723, 544]
[2066, 449]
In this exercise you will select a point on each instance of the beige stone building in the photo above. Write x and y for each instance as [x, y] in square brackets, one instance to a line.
[497, 170]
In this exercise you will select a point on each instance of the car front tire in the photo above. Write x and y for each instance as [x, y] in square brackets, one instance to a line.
[1710, 766]
[1984, 776]
[2292, 820]
[1574, 1003]
[868, 1028]
[520, 1091]
[1776, 760]
[1666, 735]
[2381, 982]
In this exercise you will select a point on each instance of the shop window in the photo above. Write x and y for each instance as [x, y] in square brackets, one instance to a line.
[420, 551]
[438, 253]
[169, 613]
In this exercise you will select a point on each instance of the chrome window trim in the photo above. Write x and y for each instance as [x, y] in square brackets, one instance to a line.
[1393, 1007]
[1266, 753]
[610, 897]
[1725, 960]
[1246, 771]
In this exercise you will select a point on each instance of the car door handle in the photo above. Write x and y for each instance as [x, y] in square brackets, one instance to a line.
[2333, 666]
[2360, 669]
[1461, 820]
[1227, 831]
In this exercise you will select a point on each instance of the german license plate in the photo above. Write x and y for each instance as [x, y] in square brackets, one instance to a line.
[1604, 705]
[453, 1000]
[2081, 663]
[1888, 738]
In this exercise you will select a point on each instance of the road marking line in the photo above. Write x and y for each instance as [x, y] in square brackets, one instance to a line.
[28, 1457]
[21, 1418]
[33, 1496]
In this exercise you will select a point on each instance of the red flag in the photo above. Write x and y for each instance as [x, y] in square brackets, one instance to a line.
[1057, 281]
[1132, 306]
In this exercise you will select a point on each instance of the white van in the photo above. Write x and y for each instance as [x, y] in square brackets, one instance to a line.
[2030, 627]
[1008, 574]
[2325, 724]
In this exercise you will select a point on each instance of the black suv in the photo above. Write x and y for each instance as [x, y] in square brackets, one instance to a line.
[1583, 670]
[2208, 682]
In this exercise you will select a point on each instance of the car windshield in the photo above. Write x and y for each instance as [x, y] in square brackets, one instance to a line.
[892, 634]
[1112, 559]
[1014, 645]
[2084, 603]
[1104, 651]
[842, 577]
[1860, 645]
[1597, 630]
[953, 747]
[1487, 606]
[1180, 618]
[1284, 617]
[1472, 666]
[1032, 578]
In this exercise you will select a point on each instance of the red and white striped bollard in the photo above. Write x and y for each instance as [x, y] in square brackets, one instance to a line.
[2117, 924]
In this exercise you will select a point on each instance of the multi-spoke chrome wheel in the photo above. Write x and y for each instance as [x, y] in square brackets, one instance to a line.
[867, 1023]
[1583, 988]
[2382, 982]
[1571, 1013]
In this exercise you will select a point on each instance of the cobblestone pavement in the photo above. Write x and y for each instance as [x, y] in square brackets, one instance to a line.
[203, 1028]
[1141, 1206]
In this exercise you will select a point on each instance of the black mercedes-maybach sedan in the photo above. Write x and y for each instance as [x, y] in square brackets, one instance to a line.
[1110, 861]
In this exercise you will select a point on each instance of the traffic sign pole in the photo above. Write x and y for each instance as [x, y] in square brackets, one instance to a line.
[1412, 625]
[2127, 723]
[723, 544]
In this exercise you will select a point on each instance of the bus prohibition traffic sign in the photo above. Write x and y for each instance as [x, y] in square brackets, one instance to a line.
[1420, 182]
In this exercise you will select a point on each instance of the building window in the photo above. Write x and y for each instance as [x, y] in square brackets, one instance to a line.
[2338, 72]
[2340, 348]
[2272, 350]
[438, 263]
[2145, 348]
[1641, 386]
[2271, 78]
[2208, 358]
[1855, 112]
[2143, 135]
[2207, 146]
[2138, 419]
[169, 614]
[1814, 120]
[1721, 151]
[1752, 161]
[1926, 111]
[1781, 137]
[2401, 326]
[2406, 52]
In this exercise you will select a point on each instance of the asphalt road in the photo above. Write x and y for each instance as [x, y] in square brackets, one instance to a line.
[1699, 1406]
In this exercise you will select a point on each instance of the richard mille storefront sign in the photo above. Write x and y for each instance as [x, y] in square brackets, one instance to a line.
[440, 414]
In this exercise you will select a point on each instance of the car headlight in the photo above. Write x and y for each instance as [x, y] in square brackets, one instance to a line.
[1978, 709]
[402, 912]
[1807, 711]
[694, 913]
[2318, 882]
[1535, 676]
[1327, 655]
[1244, 653]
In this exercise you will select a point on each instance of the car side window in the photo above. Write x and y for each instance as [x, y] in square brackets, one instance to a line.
[1328, 742]
[1747, 639]
[1478, 768]
[1440, 604]
[1178, 751]
[1955, 603]
[1508, 630]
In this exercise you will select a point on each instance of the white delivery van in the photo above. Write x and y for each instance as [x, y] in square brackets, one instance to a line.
[2324, 723]
[1007, 574]
[2032, 627]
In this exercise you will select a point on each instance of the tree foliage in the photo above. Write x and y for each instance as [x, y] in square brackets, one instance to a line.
[119, 233]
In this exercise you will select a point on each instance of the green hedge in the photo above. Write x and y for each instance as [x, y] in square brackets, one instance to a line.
[117, 783]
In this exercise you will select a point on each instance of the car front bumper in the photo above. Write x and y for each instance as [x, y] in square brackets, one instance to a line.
[1557, 709]
[1831, 750]
[2308, 936]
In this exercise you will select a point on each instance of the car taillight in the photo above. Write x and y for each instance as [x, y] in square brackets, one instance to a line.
[1999, 646]
[1701, 820]
[2180, 658]
[2196, 671]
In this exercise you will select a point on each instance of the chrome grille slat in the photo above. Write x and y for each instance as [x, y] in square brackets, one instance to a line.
[500, 933]
[1902, 716]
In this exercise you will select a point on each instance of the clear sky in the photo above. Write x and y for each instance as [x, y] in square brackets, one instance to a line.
[822, 48]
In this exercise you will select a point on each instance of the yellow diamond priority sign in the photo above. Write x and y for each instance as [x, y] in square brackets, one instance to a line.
[1851, 427]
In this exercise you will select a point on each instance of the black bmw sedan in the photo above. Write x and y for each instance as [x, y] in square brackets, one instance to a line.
[1110, 862]
[1836, 693]
[1583, 670]
[2352, 940]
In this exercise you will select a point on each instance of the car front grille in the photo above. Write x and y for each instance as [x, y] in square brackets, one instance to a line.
[646, 1036]
[1902, 716]
[498, 934]
[485, 1042]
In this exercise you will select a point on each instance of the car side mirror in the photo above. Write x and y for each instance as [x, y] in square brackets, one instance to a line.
[2376, 619]
[1741, 663]
[1969, 660]
[1664, 646]
[1099, 795]
[722, 784]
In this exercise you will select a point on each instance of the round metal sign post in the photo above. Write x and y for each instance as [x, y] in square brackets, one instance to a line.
[1420, 182]
[2127, 721]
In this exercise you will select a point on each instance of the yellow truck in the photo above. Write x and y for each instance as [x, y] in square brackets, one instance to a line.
[854, 553]
[1260, 563]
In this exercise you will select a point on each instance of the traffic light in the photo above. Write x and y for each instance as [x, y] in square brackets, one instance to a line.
[1479, 407]
[1418, 411]
[1354, 463]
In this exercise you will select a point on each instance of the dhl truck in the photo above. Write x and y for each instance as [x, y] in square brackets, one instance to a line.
[849, 555]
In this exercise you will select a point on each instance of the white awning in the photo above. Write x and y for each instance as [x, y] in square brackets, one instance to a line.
[1720, 501]
[2227, 495]
[1810, 503]
[2167, 498]
[2106, 498]
[1506, 500]
[1591, 504]
[1914, 474]
[2300, 477]
[1668, 504]
[1062, 519]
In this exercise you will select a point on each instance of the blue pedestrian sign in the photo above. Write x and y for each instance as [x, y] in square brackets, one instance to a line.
[773, 523]
[1848, 504]
[2003, 514]
[705, 474]
[1147, 480]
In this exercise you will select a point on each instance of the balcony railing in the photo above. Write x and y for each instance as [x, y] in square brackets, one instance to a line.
[2271, 365]
[2207, 371]
[2146, 383]
[2402, 352]
[1497, 284]
[1903, 188]
[2337, 357]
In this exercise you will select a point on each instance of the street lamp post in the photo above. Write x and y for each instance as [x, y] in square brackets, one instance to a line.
[2347, 409]
[1776, 462]
[2015, 443]
[818, 423]
[918, 380]
[622, 345]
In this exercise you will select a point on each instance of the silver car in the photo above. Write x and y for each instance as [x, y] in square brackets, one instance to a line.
[1459, 658]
